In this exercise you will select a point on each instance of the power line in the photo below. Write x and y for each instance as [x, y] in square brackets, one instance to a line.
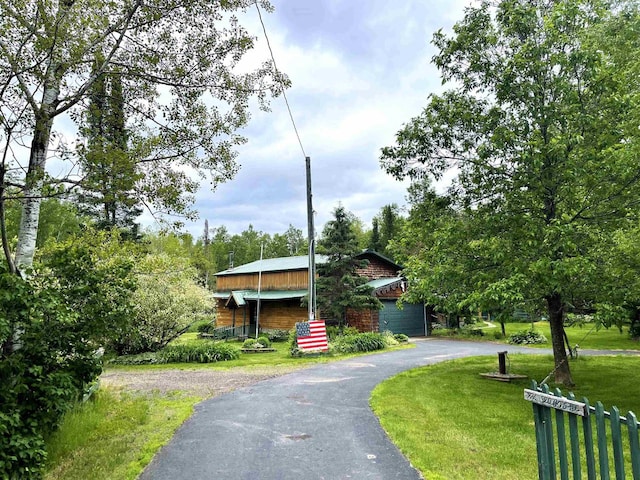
[279, 78]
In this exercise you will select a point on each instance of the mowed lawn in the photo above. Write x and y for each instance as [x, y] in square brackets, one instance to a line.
[586, 336]
[453, 424]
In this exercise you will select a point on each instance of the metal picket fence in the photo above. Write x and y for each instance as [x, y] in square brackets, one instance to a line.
[561, 449]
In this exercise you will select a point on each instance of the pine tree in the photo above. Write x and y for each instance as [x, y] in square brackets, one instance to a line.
[339, 285]
[108, 186]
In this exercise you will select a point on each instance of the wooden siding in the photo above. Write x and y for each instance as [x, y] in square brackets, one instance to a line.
[281, 315]
[377, 268]
[224, 317]
[292, 280]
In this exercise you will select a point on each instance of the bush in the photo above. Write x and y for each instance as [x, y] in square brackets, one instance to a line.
[167, 302]
[46, 376]
[264, 341]
[361, 342]
[497, 335]
[207, 352]
[205, 326]
[147, 358]
[277, 335]
[634, 331]
[527, 337]
[401, 338]
[250, 343]
[389, 339]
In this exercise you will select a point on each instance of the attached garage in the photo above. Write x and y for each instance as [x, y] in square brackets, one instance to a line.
[410, 320]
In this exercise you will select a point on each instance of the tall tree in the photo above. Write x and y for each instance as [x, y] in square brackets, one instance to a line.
[184, 98]
[107, 192]
[339, 286]
[375, 243]
[541, 127]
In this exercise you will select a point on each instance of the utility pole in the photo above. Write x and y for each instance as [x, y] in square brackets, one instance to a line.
[312, 249]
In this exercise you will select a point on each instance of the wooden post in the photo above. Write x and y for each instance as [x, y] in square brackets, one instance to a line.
[502, 363]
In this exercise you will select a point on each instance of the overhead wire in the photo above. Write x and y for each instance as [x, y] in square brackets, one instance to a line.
[279, 79]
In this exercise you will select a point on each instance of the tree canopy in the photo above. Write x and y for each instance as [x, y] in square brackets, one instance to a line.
[182, 95]
[540, 128]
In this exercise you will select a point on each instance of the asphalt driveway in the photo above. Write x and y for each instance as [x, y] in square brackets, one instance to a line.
[311, 424]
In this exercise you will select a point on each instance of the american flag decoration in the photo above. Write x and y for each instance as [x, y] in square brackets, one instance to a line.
[312, 335]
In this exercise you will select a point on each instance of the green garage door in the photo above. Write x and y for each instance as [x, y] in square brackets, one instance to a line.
[409, 320]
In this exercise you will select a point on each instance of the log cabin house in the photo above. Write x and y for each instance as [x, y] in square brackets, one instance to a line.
[284, 282]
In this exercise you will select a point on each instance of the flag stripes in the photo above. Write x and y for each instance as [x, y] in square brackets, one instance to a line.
[312, 335]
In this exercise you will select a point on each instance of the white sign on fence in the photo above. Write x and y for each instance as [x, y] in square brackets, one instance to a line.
[559, 403]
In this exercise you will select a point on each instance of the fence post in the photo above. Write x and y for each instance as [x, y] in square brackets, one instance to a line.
[616, 440]
[601, 431]
[632, 426]
[576, 464]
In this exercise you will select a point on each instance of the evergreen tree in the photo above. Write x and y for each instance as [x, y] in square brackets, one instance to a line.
[339, 285]
[110, 175]
[374, 242]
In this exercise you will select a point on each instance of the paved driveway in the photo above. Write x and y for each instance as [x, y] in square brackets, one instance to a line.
[311, 424]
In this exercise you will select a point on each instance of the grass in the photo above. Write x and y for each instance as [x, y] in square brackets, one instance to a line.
[114, 435]
[453, 424]
[279, 358]
[586, 336]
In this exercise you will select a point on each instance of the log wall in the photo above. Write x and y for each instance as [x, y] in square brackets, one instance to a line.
[293, 280]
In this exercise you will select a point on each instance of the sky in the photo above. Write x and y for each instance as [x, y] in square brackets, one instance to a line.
[359, 71]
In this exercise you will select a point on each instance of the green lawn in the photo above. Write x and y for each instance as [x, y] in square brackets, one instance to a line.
[453, 424]
[586, 336]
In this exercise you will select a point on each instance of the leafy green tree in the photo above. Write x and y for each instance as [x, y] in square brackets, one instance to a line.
[75, 301]
[184, 98]
[339, 286]
[167, 302]
[541, 127]
[59, 220]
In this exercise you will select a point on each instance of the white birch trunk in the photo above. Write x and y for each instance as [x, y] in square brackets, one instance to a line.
[30, 218]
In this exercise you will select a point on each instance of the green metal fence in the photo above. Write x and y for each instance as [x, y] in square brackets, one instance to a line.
[560, 448]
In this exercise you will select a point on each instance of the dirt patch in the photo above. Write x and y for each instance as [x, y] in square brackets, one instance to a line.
[205, 382]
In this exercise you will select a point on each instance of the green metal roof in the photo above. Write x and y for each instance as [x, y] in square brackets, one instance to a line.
[240, 297]
[282, 264]
[383, 282]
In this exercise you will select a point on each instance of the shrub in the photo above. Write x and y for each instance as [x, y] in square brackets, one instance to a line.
[251, 343]
[264, 341]
[277, 335]
[205, 326]
[401, 337]
[527, 337]
[207, 352]
[361, 342]
[46, 376]
[389, 339]
[634, 331]
[166, 303]
[147, 358]
[471, 332]
[497, 334]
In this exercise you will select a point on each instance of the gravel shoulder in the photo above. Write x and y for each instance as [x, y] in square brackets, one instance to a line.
[201, 382]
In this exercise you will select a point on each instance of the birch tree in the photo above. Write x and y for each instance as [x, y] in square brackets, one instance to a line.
[183, 92]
